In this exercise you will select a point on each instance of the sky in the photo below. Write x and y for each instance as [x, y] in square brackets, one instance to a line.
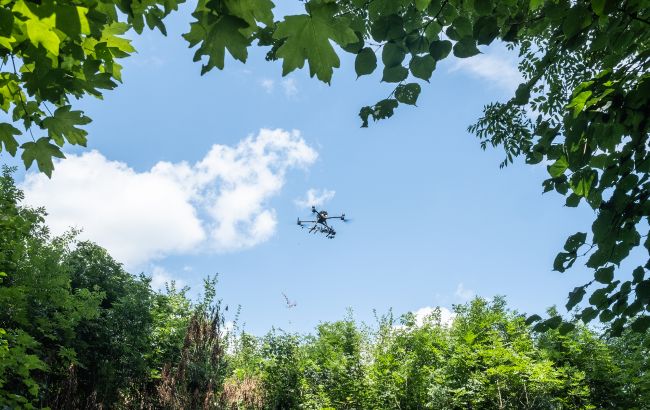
[186, 176]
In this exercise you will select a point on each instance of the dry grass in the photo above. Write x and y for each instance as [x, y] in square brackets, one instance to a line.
[246, 393]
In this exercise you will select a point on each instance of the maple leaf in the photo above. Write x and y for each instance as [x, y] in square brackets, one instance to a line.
[222, 34]
[307, 38]
[7, 139]
[41, 151]
[63, 125]
[252, 11]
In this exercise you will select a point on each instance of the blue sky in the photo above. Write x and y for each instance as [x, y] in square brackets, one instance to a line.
[435, 219]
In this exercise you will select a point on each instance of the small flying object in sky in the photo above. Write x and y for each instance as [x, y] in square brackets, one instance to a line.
[319, 223]
[289, 303]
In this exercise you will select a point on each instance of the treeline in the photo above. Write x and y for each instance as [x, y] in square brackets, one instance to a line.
[78, 331]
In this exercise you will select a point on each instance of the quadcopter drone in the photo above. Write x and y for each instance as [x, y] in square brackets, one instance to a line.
[320, 223]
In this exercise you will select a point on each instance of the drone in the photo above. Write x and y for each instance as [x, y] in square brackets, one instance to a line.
[320, 224]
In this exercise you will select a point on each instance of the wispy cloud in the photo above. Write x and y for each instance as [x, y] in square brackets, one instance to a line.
[290, 87]
[463, 293]
[315, 197]
[160, 277]
[267, 84]
[498, 67]
[218, 204]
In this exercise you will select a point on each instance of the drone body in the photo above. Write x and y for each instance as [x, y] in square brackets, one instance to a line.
[319, 223]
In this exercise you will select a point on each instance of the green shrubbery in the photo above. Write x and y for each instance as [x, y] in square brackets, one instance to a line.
[78, 331]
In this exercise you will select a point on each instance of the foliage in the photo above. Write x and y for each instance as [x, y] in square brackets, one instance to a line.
[488, 357]
[78, 331]
[197, 377]
[582, 108]
[587, 87]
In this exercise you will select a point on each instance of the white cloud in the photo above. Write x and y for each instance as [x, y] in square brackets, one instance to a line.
[463, 293]
[315, 197]
[430, 314]
[160, 276]
[290, 87]
[498, 67]
[422, 314]
[218, 204]
[267, 84]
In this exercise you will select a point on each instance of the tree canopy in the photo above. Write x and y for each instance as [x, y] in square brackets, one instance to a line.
[583, 108]
[78, 331]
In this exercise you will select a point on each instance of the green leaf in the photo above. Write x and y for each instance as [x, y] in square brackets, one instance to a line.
[575, 241]
[563, 261]
[422, 67]
[588, 314]
[417, 44]
[535, 4]
[575, 297]
[598, 6]
[606, 315]
[486, 30]
[63, 125]
[111, 36]
[522, 94]
[452, 34]
[389, 27]
[383, 109]
[553, 322]
[307, 38]
[407, 93]
[641, 324]
[483, 7]
[440, 49]
[215, 38]
[604, 275]
[643, 291]
[432, 30]
[466, 47]
[40, 33]
[392, 55]
[579, 101]
[422, 5]
[599, 297]
[6, 22]
[566, 328]
[365, 62]
[72, 20]
[638, 274]
[558, 167]
[577, 19]
[532, 319]
[7, 133]
[573, 200]
[463, 26]
[395, 74]
[252, 11]
[41, 151]
[357, 46]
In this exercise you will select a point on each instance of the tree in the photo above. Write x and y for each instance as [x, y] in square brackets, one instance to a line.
[583, 107]
[40, 310]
